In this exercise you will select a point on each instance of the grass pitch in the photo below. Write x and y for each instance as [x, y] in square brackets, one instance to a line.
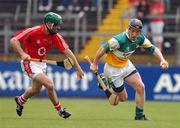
[88, 113]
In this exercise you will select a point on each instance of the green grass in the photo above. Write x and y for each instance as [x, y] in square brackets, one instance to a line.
[88, 113]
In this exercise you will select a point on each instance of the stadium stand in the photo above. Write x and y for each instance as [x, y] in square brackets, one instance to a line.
[110, 24]
[14, 17]
[9, 9]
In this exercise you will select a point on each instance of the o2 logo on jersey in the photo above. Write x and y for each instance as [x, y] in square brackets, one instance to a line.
[126, 54]
[42, 51]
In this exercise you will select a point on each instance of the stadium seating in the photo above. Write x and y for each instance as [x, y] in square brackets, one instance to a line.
[9, 8]
[109, 23]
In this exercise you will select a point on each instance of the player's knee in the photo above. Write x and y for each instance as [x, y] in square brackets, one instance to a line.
[140, 88]
[50, 86]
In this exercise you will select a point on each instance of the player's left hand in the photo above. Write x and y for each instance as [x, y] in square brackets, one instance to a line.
[164, 64]
[80, 73]
[94, 67]
[25, 57]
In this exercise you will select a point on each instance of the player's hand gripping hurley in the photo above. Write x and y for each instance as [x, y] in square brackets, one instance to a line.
[113, 99]
[66, 63]
[96, 73]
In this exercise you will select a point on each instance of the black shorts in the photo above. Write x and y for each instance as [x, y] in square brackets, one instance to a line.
[119, 89]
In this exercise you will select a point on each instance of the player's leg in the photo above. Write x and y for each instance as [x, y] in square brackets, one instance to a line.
[31, 91]
[123, 96]
[114, 76]
[30, 70]
[135, 81]
[44, 80]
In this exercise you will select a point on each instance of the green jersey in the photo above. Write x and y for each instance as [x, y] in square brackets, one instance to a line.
[120, 47]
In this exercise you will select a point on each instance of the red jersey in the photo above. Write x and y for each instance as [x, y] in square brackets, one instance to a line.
[159, 9]
[36, 42]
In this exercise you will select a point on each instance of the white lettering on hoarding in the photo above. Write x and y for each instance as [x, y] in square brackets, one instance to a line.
[66, 81]
[62, 81]
[57, 81]
[84, 82]
[177, 85]
[13, 80]
[165, 82]
[73, 82]
[3, 85]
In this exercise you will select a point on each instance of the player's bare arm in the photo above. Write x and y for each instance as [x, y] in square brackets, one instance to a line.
[156, 52]
[112, 45]
[94, 66]
[16, 45]
[163, 63]
[69, 54]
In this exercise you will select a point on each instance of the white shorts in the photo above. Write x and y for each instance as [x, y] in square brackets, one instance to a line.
[33, 68]
[117, 74]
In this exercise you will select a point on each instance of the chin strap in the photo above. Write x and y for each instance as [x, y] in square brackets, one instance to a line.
[49, 30]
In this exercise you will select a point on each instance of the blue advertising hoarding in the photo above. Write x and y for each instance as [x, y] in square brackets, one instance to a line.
[160, 84]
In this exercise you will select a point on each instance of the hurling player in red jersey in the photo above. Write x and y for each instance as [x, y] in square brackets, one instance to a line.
[37, 41]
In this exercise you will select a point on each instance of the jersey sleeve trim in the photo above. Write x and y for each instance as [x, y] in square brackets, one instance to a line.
[146, 43]
[106, 47]
[148, 46]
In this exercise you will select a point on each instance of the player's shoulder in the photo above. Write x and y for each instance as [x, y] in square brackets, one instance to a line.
[141, 38]
[34, 29]
[120, 37]
[58, 37]
[27, 30]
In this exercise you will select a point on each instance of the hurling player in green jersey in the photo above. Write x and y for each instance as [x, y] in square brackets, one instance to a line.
[119, 69]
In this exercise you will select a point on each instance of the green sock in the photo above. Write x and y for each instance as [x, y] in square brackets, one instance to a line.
[139, 112]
